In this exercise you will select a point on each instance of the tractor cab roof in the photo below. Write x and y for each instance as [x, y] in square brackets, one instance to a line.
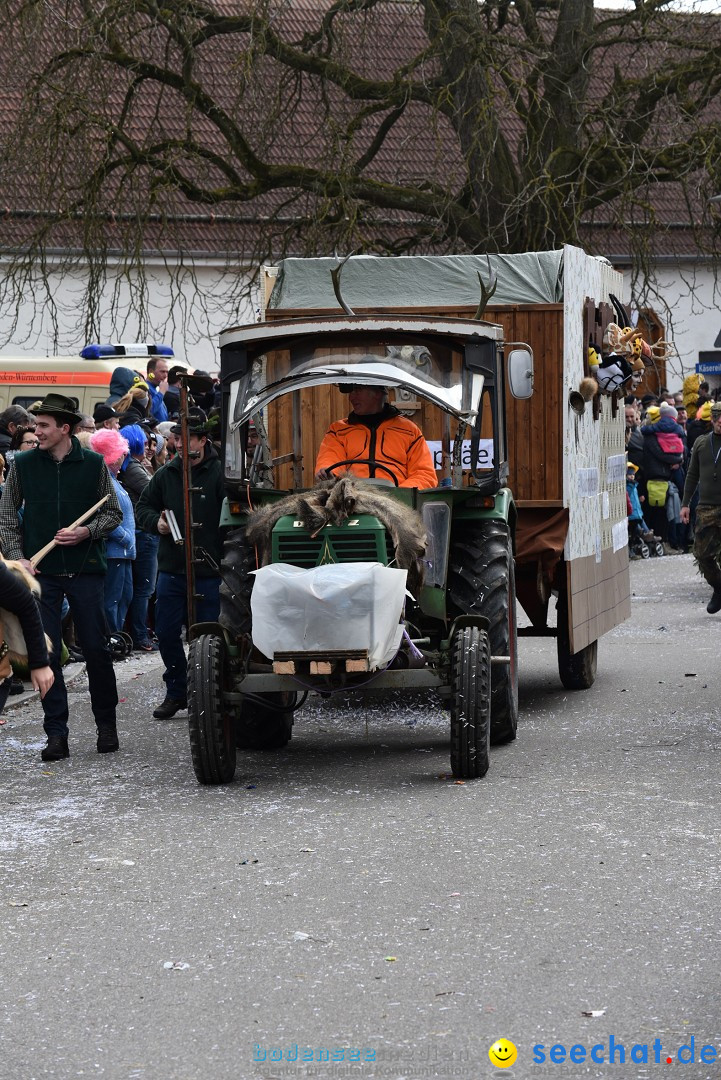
[413, 353]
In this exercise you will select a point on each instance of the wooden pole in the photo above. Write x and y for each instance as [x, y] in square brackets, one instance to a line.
[187, 504]
[80, 521]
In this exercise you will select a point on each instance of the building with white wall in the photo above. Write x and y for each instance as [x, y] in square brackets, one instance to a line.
[184, 308]
[690, 292]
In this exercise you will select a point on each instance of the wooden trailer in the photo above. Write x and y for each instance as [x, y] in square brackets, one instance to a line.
[567, 469]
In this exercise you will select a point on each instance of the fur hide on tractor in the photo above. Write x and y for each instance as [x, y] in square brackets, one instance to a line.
[331, 502]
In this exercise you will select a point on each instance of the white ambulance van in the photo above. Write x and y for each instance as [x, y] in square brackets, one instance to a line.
[84, 378]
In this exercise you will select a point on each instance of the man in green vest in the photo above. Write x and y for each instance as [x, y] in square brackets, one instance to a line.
[55, 485]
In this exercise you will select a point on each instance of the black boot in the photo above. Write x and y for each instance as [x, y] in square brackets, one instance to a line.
[56, 749]
[169, 708]
[714, 603]
[107, 740]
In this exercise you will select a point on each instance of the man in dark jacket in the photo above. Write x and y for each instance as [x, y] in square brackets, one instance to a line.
[700, 425]
[163, 493]
[704, 473]
[56, 484]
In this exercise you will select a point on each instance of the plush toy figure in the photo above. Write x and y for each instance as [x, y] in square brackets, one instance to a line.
[594, 356]
[621, 364]
[613, 372]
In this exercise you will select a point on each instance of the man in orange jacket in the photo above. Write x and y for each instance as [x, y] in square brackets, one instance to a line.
[376, 431]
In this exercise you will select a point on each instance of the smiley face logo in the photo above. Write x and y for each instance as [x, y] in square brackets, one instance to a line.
[503, 1053]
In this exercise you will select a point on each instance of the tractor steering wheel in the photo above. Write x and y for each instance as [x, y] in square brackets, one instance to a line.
[363, 461]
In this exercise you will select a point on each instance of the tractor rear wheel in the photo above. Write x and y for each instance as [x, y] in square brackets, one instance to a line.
[210, 722]
[481, 581]
[470, 702]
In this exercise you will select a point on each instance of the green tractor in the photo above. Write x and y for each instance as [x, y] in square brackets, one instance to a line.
[454, 631]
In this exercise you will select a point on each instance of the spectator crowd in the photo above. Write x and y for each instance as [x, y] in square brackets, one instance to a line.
[135, 581]
[660, 434]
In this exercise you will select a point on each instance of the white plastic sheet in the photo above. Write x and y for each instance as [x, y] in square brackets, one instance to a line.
[336, 606]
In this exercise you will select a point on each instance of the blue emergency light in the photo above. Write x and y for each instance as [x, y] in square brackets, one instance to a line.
[102, 352]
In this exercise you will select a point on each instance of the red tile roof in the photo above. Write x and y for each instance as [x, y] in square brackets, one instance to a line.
[285, 112]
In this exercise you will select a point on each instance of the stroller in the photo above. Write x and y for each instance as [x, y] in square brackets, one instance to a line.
[642, 541]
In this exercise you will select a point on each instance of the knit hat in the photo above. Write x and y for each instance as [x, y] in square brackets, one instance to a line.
[653, 413]
[704, 413]
[668, 410]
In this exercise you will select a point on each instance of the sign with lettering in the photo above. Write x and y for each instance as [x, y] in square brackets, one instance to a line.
[485, 454]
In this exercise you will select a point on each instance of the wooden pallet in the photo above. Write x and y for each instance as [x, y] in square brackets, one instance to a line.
[324, 662]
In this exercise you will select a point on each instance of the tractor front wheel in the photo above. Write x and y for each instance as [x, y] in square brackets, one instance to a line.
[470, 703]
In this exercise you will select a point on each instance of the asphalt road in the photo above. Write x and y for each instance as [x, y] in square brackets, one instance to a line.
[346, 896]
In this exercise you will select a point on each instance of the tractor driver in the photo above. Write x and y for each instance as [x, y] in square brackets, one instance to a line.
[376, 431]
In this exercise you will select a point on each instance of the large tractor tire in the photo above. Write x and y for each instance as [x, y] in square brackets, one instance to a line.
[210, 723]
[236, 584]
[481, 581]
[470, 703]
[264, 721]
[576, 670]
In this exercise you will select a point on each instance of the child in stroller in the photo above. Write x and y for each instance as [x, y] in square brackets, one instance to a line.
[642, 542]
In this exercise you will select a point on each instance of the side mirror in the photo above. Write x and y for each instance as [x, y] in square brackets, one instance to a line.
[520, 373]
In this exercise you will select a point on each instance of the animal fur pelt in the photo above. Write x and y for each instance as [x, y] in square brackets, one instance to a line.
[12, 630]
[332, 502]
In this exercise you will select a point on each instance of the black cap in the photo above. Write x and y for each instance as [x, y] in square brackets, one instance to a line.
[347, 387]
[103, 412]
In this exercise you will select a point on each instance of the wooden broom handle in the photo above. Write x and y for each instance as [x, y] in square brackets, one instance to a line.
[80, 521]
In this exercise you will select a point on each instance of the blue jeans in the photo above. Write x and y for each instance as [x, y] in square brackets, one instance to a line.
[145, 571]
[85, 593]
[118, 592]
[171, 615]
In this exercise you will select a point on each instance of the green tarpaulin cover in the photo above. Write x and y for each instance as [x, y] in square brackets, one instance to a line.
[367, 281]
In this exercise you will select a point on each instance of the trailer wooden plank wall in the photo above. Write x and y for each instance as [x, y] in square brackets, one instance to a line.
[534, 427]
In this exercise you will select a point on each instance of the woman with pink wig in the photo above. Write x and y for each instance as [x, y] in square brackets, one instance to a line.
[120, 543]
